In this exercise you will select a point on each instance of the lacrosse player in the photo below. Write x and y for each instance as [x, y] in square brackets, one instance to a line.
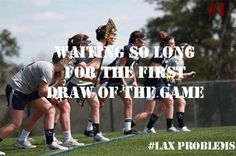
[166, 104]
[87, 82]
[97, 63]
[136, 41]
[30, 86]
[63, 108]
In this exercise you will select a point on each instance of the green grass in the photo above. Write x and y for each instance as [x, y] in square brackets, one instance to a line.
[137, 145]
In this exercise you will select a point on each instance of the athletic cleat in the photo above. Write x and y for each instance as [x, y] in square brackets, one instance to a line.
[55, 146]
[132, 131]
[172, 129]
[54, 139]
[100, 137]
[184, 129]
[57, 141]
[89, 133]
[31, 140]
[2, 153]
[146, 130]
[24, 144]
[72, 142]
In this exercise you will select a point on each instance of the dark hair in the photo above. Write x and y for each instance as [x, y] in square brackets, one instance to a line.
[56, 58]
[77, 40]
[184, 44]
[136, 35]
[100, 32]
[165, 38]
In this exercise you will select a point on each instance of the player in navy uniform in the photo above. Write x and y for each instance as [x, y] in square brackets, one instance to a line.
[102, 42]
[180, 102]
[87, 82]
[166, 104]
[136, 41]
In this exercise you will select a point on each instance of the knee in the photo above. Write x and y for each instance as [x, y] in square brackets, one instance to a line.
[65, 109]
[169, 102]
[128, 102]
[95, 105]
[182, 103]
[50, 111]
[16, 124]
[102, 104]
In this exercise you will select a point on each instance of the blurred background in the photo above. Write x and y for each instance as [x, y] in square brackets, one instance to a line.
[29, 31]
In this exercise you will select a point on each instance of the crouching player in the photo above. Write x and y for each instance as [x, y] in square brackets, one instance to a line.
[63, 108]
[30, 86]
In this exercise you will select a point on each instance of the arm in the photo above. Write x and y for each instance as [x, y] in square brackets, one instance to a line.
[95, 63]
[43, 89]
[84, 65]
[185, 75]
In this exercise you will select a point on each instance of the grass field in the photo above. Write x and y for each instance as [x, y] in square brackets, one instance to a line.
[135, 145]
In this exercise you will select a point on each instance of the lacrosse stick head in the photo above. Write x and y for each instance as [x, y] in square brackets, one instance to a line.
[107, 32]
[110, 29]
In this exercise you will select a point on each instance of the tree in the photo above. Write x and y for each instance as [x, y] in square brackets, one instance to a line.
[8, 48]
[212, 36]
[214, 39]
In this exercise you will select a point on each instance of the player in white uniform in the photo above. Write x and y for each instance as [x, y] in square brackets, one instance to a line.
[30, 86]
[63, 106]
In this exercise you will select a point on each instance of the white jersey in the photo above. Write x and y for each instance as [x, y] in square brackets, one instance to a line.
[27, 80]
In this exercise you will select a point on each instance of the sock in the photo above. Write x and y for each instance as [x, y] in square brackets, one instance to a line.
[133, 124]
[89, 126]
[1, 140]
[180, 118]
[49, 135]
[23, 135]
[96, 129]
[127, 124]
[169, 123]
[152, 120]
[67, 135]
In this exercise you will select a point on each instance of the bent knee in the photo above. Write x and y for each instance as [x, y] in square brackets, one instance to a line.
[16, 124]
[50, 111]
[101, 105]
[128, 102]
[169, 102]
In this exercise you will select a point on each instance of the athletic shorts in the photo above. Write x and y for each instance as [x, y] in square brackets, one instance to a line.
[18, 100]
[156, 93]
[119, 85]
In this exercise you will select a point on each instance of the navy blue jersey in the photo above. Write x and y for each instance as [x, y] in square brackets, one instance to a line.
[155, 81]
[85, 60]
[132, 61]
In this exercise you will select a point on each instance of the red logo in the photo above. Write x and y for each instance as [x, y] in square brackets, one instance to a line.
[216, 8]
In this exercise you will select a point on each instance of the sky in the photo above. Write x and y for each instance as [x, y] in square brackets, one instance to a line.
[40, 25]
